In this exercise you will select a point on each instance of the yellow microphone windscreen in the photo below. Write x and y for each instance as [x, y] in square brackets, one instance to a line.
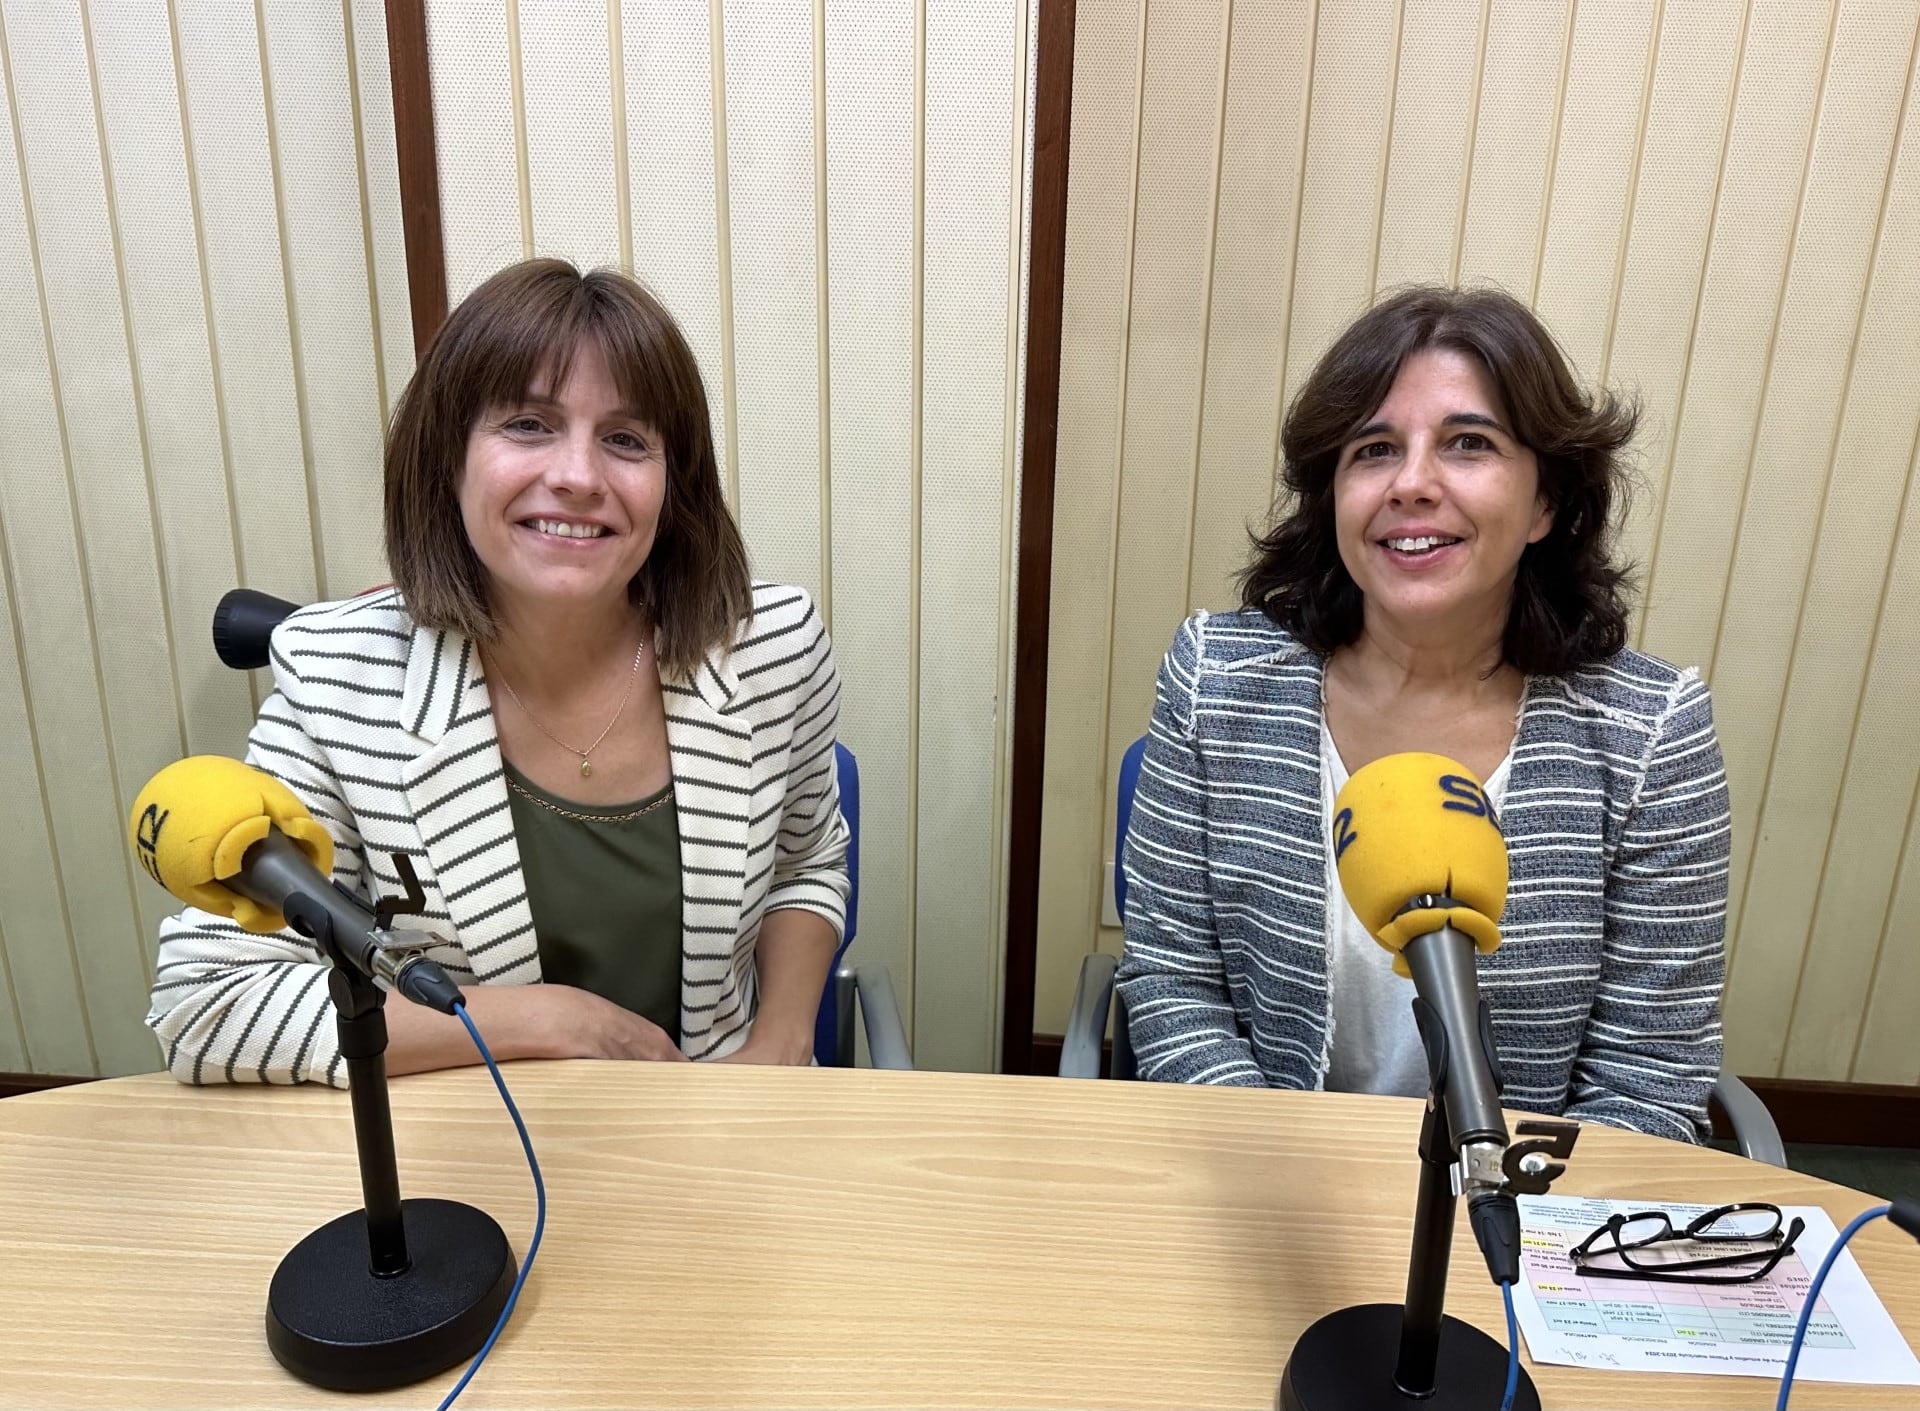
[1412, 825]
[194, 821]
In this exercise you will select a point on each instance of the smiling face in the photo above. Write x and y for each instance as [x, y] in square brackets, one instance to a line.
[561, 492]
[1435, 499]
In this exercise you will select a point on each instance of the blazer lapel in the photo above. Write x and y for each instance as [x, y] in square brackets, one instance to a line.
[712, 752]
[457, 794]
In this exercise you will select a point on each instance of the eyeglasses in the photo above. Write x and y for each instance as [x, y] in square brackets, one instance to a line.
[1689, 1256]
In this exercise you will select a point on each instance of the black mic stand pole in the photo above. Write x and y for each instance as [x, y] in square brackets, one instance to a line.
[399, 1290]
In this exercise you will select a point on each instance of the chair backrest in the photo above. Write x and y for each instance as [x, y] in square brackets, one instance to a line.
[1122, 1065]
[826, 1023]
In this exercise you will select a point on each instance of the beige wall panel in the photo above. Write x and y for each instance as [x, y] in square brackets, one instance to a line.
[971, 183]
[1172, 284]
[1888, 1052]
[486, 209]
[28, 880]
[1521, 73]
[775, 313]
[567, 88]
[47, 671]
[248, 292]
[871, 146]
[109, 464]
[672, 215]
[1342, 182]
[1073, 845]
[1854, 680]
[1688, 112]
[1262, 132]
[380, 190]
[1716, 420]
[189, 476]
[333, 324]
[1788, 793]
[1435, 97]
[1596, 162]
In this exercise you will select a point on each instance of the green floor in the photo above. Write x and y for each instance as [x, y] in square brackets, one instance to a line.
[1885, 1171]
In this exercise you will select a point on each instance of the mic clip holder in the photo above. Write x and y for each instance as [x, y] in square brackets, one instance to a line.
[398, 1290]
[1439, 1363]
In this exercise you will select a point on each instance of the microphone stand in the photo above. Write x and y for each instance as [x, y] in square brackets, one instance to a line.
[1439, 1363]
[401, 1289]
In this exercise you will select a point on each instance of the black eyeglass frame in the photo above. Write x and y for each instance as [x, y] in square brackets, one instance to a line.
[1699, 1231]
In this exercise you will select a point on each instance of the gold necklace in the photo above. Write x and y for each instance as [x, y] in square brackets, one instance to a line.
[586, 769]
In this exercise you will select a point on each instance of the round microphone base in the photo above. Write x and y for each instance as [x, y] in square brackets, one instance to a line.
[1345, 1362]
[332, 1323]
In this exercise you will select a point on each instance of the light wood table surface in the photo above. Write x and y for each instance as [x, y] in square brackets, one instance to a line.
[739, 1237]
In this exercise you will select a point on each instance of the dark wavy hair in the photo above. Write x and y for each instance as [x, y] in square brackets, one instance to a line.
[529, 319]
[1569, 599]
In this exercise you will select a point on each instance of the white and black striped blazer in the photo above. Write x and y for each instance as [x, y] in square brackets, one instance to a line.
[1606, 990]
[385, 731]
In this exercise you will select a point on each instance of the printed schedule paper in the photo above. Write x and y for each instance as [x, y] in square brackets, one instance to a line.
[1740, 1330]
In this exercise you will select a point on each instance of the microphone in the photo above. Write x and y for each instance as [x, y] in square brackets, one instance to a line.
[1424, 867]
[231, 840]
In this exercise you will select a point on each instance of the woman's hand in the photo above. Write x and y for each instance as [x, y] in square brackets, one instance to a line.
[580, 1024]
[766, 1044]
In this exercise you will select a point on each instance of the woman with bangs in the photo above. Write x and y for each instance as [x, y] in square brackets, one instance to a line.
[607, 753]
[1442, 582]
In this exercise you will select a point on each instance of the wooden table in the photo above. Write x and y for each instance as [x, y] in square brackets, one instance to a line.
[724, 1236]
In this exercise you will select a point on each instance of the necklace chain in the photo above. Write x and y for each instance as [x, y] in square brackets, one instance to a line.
[586, 769]
[642, 811]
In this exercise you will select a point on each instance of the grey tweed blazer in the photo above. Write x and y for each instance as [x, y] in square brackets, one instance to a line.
[1606, 991]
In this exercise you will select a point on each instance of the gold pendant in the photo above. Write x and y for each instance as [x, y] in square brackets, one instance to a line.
[586, 770]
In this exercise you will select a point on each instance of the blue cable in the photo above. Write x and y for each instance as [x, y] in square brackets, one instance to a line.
[539, 1220]
[1813, 1297]
[1513, 1350]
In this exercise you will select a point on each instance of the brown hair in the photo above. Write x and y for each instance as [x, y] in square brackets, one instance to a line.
[1569, 598]
[529, 319]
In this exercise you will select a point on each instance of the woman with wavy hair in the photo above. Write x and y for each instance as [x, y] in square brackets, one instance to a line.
[1442, 580]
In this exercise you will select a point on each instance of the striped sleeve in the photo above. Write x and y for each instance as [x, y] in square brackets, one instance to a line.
[230, 1006]
[1173, 977]
[810, 849]
[1652, 1044]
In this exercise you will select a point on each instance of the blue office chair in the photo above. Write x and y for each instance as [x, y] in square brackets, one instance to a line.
[1754, 1130]
[870, 984]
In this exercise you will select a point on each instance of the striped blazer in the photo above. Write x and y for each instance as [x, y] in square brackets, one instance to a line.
[1606, 992]
[385, 731]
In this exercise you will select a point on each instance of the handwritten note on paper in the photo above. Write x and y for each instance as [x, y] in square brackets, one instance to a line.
[1648, 1325]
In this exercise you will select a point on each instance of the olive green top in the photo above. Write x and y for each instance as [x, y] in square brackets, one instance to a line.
[604, 888]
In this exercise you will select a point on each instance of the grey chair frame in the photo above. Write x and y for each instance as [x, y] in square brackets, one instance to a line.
[1094, 999]
[869, 987]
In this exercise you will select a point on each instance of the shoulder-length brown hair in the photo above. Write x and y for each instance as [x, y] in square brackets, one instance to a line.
[529, 319]
[1569, 599]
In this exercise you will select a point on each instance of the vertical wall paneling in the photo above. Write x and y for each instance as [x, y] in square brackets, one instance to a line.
[968, 179]
[1593, 174]
[331, 317]
[667, 69]
[871, 122]
[81, 280]
[770, 173]
[1682, 153]
[1712, 205]
[1513, 136]
[1344, 175]
[1094, 314]
[202, 314]
[49, 672]
[567, 102]
[476, 134]
[1432, 138]
[1262, 127]
[1759, 634]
